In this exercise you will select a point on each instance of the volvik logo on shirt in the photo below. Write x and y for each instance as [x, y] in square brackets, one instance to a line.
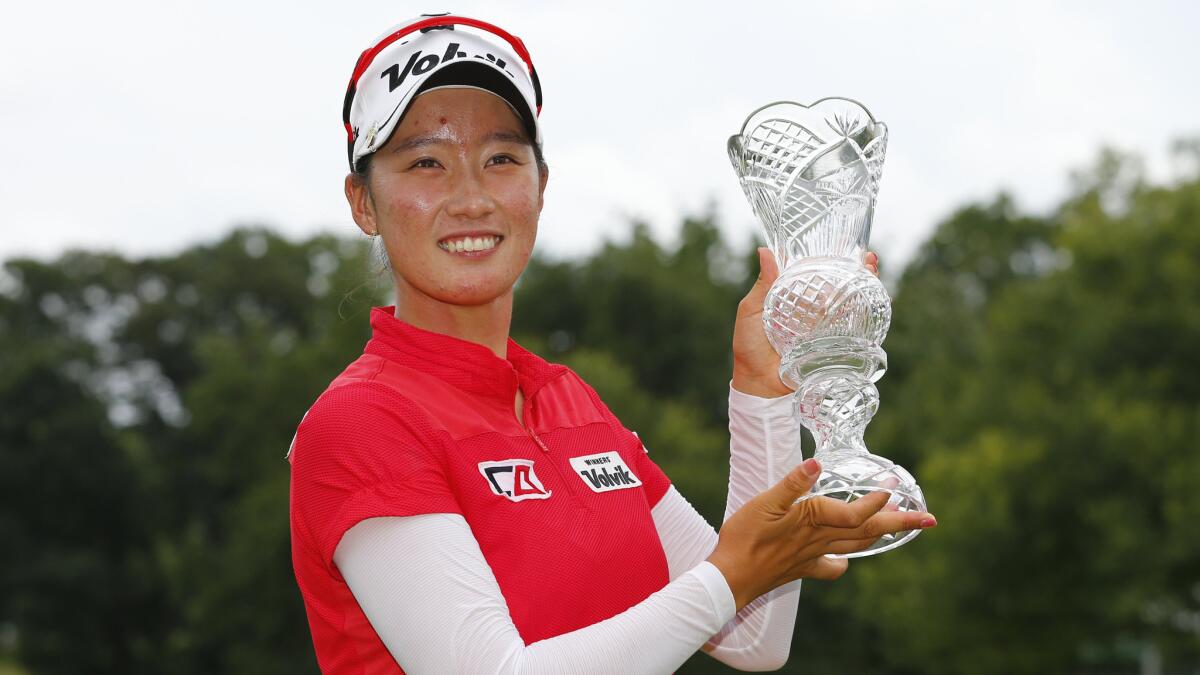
[513, 479]
[604, 472]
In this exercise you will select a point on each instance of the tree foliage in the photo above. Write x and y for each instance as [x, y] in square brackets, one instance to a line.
[1043, 388]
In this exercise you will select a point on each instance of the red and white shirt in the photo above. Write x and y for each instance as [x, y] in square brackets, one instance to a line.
[424, 423]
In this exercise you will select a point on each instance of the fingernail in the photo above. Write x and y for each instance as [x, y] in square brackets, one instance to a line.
[928, 522]
[811, 467]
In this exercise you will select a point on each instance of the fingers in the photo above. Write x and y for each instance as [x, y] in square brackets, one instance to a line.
[834, 513]
[849, 546]
[768, 272]
[866, 506]
[795, 485]
[873, 530]
[768, 268]
[871, 260]
[828, 569]
[889, 523]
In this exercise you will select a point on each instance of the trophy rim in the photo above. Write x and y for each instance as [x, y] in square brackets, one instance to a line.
[807, 106]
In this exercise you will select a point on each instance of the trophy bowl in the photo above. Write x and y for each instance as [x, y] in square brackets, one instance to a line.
[811, 174]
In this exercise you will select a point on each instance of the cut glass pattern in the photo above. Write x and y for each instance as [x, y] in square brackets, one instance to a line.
[811, 175]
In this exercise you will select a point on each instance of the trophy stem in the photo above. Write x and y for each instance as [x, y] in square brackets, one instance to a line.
[835, 401]
[835, 404]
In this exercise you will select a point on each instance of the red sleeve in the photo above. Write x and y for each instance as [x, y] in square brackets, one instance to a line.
[364, 451]
[653, 479]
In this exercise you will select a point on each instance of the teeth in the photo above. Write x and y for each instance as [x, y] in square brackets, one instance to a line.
[469, 244]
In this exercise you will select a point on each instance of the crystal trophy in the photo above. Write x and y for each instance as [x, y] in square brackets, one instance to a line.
[811, 174]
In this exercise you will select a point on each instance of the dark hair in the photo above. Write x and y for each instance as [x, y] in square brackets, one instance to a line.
[362, 168]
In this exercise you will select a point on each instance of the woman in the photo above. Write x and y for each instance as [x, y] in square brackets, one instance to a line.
[460, 505]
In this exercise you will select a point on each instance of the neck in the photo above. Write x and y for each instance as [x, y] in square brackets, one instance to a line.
[485, 324]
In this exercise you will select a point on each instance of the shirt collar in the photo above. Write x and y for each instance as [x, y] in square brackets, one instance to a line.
[461, 363]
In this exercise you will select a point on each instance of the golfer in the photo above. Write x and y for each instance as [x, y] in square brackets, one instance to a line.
[458, 504]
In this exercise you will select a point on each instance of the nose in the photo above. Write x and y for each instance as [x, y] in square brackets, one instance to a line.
[470, 198]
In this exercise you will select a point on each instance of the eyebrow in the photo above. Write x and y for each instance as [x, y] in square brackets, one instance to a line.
[508, 137]
[423, 141]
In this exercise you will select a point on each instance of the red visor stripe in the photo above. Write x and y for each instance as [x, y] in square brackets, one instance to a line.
[368, 56]
[365, 59]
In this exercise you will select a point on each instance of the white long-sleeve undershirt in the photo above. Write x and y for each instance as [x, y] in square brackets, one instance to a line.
[438, 607]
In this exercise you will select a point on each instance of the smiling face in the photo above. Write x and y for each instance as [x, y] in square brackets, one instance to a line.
[455, 194]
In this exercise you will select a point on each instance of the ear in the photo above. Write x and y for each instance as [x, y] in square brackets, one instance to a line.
[361, 206]
[543, 177]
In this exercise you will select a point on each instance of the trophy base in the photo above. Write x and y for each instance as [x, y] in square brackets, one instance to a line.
[848, 476]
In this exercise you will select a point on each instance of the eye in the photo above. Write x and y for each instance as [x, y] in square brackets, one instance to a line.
[425, 163]
[503, 159]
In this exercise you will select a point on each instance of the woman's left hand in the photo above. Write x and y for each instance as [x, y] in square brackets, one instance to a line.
[755, 361]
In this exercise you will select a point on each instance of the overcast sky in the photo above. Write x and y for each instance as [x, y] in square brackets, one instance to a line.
[147, 126]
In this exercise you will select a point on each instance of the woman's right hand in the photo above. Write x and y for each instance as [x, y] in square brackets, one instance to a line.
[774, 539]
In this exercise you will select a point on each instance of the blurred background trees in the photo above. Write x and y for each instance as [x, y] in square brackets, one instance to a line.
[1045, 389]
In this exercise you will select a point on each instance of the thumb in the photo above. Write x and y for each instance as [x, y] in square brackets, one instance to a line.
[768, 268]
[794, 485]
[768, 272]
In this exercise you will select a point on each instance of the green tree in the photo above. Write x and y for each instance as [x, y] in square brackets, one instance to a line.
[1056, 445]
[1043, 388]
[79, 583]
[151, 403]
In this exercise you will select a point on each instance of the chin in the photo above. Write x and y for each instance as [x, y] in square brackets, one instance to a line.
[472, 295]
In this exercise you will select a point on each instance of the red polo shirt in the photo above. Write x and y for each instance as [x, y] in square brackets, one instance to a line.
[425, 423]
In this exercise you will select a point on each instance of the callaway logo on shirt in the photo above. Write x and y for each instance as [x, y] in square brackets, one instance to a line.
[514, 479]
[605, 471]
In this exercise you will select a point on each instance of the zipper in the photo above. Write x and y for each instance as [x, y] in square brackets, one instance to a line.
[566, 480]
[529, 429]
